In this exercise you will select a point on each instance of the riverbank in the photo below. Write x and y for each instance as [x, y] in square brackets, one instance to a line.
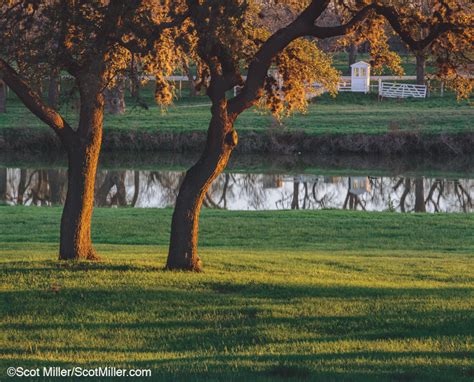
[297, 295]
[349, 124]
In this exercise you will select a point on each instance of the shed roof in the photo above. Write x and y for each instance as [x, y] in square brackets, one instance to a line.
[360, 64]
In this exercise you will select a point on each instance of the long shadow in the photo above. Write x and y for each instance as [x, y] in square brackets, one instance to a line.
[221, 315]
[209, 318]
[354, 366]
[19, 267]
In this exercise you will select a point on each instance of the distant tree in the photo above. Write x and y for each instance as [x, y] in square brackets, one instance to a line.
[115, 98]
[92, 40]
[451, 50]
[54, 88]
[232, 40]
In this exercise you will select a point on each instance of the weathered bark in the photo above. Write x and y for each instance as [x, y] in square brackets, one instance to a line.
[75, 240]
[53, 89]
[115, 99]
[3, 97]
[221, 140]
[419, 195]
[352, 54]
[420, 68]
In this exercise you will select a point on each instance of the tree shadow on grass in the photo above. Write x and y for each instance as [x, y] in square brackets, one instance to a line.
[178, 320]
[22, 268]
[217, 316]
[349, 366]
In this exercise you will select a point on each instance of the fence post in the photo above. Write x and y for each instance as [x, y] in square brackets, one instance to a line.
[442, 89]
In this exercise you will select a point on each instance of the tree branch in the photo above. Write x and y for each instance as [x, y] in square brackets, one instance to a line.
[393, 18]
[304, 26]
[34, 103]
[263, 58]
[327, 32]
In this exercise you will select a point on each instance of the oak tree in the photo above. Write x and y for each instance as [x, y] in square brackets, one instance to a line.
[275, 69]
[92, 41]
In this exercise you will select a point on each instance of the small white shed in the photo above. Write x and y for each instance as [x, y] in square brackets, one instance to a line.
[360, 77]
[359, 185]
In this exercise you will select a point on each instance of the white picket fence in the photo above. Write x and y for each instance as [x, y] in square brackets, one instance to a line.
[394, 90]
[344, 86]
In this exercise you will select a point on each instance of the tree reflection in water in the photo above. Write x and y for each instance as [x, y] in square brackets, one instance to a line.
[247, 191]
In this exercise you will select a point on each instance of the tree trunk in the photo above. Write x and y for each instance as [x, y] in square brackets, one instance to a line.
[115, 99]
[136, 190]
[3, 97]
[56, 186]
[406, 191]
[3, 186]
[83, 155]
[193, 91]
[76, 240]
[295, 201]
[53, 89]
[420, 68]
[419, 195]
[352, 54]
[21, 187]
[221, 140]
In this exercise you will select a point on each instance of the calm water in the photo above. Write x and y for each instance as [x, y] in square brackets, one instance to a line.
[250, 191]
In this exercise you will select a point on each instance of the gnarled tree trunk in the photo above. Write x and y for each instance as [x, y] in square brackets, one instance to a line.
[75, 240]
[3, 97]
[221, 140]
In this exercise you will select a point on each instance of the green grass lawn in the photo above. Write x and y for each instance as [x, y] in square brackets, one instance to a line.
[347, 113]
[292, 295]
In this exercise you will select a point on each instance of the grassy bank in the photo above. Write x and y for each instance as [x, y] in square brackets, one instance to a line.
[294, 295]
[349, 113]
[350, 124]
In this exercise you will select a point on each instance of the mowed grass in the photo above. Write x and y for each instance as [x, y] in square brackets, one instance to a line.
[348, 113]
[292, 295]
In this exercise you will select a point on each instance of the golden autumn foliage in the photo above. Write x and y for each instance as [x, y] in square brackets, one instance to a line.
[301, 65]
[41, 36]
[224, 36]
